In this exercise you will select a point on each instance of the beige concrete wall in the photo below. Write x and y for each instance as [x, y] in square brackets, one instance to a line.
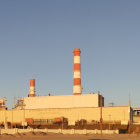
[73, 114]
[65, 101]
[12, 115]
[136, 118]
[62, 131]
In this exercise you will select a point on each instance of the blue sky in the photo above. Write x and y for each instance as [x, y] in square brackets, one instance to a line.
[37, 38]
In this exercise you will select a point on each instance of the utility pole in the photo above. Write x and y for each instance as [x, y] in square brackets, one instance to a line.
[101, 118]
[109, 120]
[129, 103]
[62, 122]
[12, 119]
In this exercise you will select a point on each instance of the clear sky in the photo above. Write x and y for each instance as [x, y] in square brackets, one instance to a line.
[37, 38]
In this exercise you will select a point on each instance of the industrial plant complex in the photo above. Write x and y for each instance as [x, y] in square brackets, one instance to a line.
[42, 111]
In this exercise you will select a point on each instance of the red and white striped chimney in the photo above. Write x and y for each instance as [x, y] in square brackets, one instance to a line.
[77, 73]
[32, 88]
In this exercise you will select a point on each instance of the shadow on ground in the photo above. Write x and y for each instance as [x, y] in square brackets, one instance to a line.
[97, 139]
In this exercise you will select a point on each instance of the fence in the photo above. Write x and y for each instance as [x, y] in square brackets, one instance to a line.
[62, 131]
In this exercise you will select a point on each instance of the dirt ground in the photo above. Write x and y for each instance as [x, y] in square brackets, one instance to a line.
[43, 136]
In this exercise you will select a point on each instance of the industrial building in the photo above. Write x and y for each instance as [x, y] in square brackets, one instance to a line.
[64, 101]
[2, 104]
[136, 116]
[73, 107]
[120, 115]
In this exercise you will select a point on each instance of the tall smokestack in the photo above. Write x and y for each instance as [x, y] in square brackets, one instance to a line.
[77, 73]
[32, 88]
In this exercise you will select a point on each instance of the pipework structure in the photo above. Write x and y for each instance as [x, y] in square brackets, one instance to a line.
[32, 88]
[2, 104]
[77, 73]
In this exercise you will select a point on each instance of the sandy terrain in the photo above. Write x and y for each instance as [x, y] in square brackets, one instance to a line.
[43, 136]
